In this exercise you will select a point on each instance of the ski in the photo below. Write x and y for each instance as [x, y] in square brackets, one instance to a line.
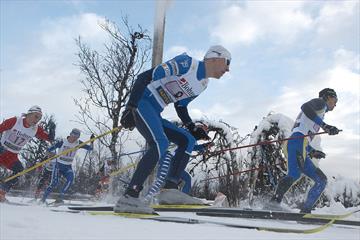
[160, 208]
[199, 221]
[278, 215]
[232, 225]
[243, 213]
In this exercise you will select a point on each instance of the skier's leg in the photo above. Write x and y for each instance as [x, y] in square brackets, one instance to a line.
[10, 161]
[186, 178]
[53, 183]
[185, 142]
[317, 189]
[164, 165]
[15, 168]
[68, 173]
[148, 123]
[44, 180]
[295, 154]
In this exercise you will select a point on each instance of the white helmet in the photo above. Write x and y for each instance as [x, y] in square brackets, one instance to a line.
[34, 109]
[218, 51]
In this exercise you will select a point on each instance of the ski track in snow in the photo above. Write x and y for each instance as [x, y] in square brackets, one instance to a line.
[40, 223]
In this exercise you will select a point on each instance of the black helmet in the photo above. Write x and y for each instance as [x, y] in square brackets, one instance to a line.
[327, 92]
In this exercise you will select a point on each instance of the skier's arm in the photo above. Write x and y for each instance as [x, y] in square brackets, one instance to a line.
[58, 144]
[7, 124]
[182, 111]
[86, 147]
[138, 89]
[311, 108]
[41, 134]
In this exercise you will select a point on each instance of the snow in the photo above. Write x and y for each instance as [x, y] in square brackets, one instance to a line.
[40, 223]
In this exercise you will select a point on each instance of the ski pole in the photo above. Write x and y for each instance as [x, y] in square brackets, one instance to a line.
[60, 154]
[259, 143]
[236, 173]
[251, 145]
[121, 170]
[131, 153]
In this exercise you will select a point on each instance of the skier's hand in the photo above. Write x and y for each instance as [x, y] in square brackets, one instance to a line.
[331, 130]
[128, 118]
[317, 154]
[197, 131]
[92, 143]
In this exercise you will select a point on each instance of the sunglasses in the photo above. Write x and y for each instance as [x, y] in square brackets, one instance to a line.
[227, 62]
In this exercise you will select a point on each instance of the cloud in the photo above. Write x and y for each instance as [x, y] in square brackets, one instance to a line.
[336, 22]
[45, 74]
[285, 22]
[62, 32]
[280, 21]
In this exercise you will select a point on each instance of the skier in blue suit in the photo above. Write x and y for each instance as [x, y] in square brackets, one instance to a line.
[63, 164]
[178, 81]
[299, 152]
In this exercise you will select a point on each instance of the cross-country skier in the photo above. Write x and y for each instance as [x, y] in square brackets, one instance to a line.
[16, 132]
[63, 164]
[177, 81]
[299, 152]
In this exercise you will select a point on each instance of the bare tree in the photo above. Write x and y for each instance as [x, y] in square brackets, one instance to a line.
[108, 79]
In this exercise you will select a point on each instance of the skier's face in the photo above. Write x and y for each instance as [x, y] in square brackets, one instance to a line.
[33, 118]
[331, 103]
[221, 66]
[73, 138]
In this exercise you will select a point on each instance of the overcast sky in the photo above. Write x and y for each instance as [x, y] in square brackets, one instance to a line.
[284, 53]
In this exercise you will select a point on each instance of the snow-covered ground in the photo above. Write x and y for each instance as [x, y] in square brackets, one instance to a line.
[39, 222]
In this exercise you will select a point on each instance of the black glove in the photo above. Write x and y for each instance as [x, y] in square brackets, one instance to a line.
[197, 132]
[316, 154]
[331, 130]
[128, 118]
[2, 149]
[52, 130]
[92, 143]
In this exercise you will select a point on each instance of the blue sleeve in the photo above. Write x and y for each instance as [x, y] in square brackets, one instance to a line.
[87, 147]
[177, 66]
[182, 111]
[58, 144]
[311, 108]
[138, 89]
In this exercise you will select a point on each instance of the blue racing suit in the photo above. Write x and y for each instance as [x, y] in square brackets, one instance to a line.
[177, 81]
[63, 166]
[297, 151]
